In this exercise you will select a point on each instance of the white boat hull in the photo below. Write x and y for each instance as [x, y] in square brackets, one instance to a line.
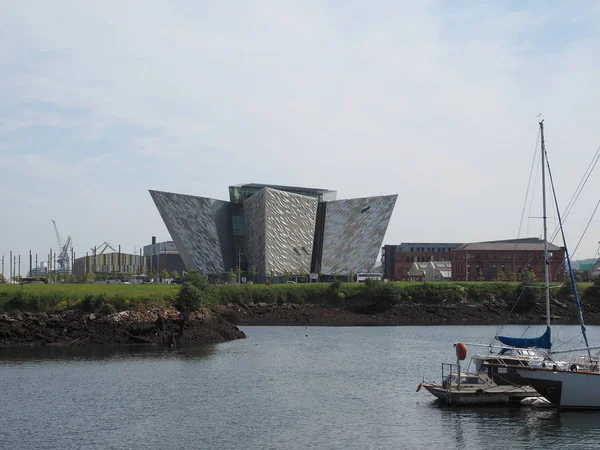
[565, 389]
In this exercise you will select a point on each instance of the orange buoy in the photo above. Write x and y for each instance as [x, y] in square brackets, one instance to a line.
[419, 386]
[461, 351]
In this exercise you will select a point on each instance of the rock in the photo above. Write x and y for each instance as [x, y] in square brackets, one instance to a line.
[262, 305]
[92, 316]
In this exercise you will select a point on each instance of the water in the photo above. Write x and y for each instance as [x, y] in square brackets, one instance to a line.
[282, 388]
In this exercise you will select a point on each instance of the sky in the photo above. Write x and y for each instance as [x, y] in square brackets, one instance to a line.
[437, 102]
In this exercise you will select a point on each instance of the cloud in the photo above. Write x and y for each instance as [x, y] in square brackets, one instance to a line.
[434, 101]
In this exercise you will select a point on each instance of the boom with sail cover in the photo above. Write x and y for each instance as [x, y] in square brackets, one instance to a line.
[543, 341]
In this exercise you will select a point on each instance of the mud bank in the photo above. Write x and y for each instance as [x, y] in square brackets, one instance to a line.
[158, 327]
[468, 313]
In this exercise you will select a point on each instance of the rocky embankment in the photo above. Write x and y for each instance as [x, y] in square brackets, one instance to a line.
[75, 328]
[487, 312]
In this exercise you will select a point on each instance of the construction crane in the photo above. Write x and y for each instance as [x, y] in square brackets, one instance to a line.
[100, 249]
[64, 258]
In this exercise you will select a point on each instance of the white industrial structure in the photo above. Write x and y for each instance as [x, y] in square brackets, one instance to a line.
[64, 249]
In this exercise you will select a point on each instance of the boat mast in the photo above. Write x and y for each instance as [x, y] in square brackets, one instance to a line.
[546, 282]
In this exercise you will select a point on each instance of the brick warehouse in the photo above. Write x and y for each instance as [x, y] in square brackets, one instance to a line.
[397, 259]
[484, 261]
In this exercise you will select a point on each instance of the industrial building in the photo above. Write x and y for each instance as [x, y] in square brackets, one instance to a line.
[271, 231]
[163, 256]
[110, 263]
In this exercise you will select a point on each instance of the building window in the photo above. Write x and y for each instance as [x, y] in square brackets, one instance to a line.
[408, 259]
[412, 249]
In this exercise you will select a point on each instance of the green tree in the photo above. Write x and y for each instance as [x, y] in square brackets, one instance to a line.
[231, 276]
[174, 274]
[164, 275]
[501, 276]
[194, 294]
[2, 278]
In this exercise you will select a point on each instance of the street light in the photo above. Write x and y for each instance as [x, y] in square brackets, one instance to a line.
[240, 265]
[467, 256]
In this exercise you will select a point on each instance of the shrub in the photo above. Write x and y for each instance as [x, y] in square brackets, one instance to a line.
[17, 302]
[107, 308]
[592, 293]
[529, 292]
[194, 294]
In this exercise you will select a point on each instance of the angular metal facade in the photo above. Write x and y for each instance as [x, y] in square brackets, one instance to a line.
[201, 228]
[354, 232]
[280, 232]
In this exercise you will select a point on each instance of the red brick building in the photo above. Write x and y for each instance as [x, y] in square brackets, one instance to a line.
[408, 252]
[484, 261]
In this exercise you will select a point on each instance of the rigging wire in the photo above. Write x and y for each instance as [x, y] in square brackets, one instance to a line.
[535, 154]
[586, 228]
[567, 256]
[537, 171]
[578, 190]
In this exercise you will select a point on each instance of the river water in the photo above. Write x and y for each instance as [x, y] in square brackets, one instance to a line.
[281, 388]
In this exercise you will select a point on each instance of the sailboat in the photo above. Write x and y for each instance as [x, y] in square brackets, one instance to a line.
[576, 385]
[498, 376]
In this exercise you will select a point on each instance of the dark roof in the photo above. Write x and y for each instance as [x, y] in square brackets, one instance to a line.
[283, 188]
[526, 245]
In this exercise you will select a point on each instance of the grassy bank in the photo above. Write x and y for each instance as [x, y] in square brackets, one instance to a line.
[91, 297]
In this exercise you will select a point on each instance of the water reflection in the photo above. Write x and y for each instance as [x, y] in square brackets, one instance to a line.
[59, 354]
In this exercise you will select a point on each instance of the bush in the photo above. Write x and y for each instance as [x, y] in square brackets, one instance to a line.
[17, 302]
[592, 293]
[382, 294]
[194, 294]
[529, 292]
[107, 309]
[91, 303]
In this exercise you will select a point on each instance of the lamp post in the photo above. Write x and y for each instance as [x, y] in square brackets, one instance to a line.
[467, 256]
[240, 265]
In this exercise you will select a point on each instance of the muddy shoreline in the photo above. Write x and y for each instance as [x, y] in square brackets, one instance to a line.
[76, 329]
[162, 326]
[467, 313]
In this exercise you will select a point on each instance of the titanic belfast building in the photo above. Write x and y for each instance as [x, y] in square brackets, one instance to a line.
[272, 231]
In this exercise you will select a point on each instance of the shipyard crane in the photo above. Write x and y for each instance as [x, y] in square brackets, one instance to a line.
[100, 249]
[64, 259]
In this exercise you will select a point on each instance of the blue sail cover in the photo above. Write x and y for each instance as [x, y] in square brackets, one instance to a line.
[539, 342]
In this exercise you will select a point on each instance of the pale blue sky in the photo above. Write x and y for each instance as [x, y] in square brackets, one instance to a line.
[435, 101]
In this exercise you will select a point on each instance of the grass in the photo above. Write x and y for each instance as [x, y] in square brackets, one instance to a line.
[61, 297]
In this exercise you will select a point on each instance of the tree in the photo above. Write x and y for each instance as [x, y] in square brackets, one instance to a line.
[501, 276]
[164, 275]
[252, 273]
[194, 294]
[174, 274]
[2, 278]
[231, 276]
